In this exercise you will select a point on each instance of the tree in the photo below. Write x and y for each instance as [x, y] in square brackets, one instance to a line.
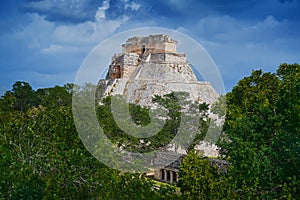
[176, 105]
[56, 96]
[42, 156]
[24, 94]
[200, 179]
[262, 130]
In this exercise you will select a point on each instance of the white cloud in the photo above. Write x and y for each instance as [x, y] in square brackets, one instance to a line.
[226, 29]
[87, 33]
[100, 14]
[50, 52]
[47, 37]
[132, 5]
[239, 46]
[50, 37]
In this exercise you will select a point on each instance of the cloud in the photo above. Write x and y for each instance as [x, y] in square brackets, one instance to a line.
[132, 5]
[44, 48]
[88, 33]
[100, 14]
[48, 37]
[78, 11]
[64, 10]
[251, 10]
[239, 46]
[227, 29]
[51, 37]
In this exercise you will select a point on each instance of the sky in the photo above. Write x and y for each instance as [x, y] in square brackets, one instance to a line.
[44, 42]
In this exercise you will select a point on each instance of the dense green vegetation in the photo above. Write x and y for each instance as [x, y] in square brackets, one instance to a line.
[140, 116]
[261, 142]
[42, 156]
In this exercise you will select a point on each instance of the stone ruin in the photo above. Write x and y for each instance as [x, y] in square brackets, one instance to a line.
[151, 66]
[154, 48]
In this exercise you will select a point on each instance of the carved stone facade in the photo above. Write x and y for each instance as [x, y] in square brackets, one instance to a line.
[151, 66]
[151, 44]
[152, 49]
[123, 65]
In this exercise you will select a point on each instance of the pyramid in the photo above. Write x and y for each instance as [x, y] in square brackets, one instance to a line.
[151, 66]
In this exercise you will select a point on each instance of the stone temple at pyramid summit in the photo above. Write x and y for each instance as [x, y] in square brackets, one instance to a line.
[151, 66]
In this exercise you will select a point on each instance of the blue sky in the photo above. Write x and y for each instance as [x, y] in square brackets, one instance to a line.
[44, 42]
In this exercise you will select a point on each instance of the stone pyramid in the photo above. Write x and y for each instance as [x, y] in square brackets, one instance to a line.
[151, 66]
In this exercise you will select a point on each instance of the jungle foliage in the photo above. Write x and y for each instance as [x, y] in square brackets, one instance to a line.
[42, 156]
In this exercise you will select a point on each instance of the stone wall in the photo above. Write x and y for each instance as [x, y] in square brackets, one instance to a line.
[123, 65]
[150, 44]
[168, 58]
[155, 73]
[126, 58]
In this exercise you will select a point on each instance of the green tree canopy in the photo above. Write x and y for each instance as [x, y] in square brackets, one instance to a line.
[262, 130]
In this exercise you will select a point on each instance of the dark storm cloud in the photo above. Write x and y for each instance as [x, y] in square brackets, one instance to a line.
[80, 11]
[247, 10]
[64, 11]
[188, 8]
[47, 39]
